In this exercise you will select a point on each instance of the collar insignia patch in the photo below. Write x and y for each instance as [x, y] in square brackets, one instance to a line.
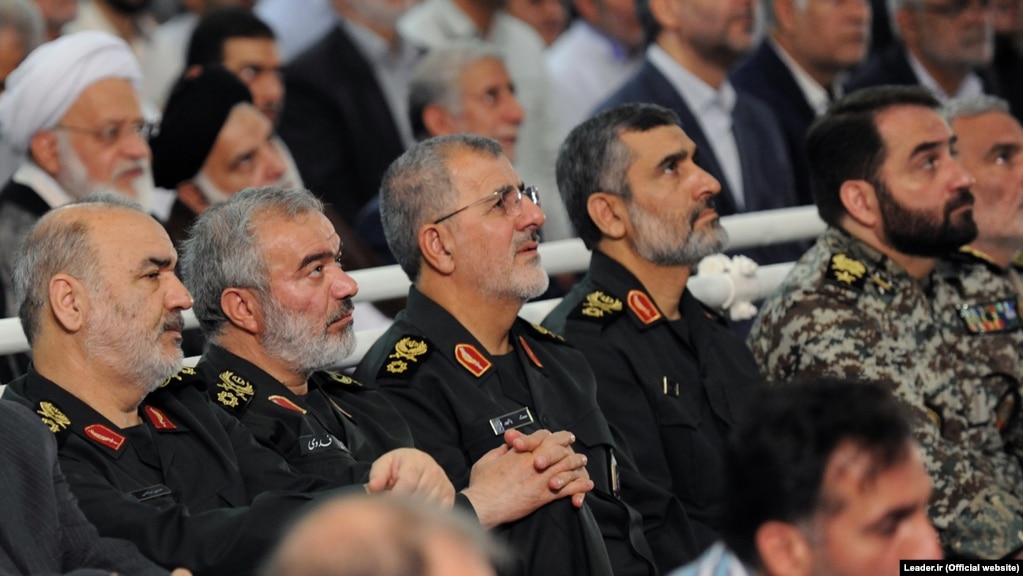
[1007, 409]
[529, 352]
[643, 307]
[105, 436]
[846, 271]
[598, 305]
[993, 317]
[159, 419]
[471, 359]
[286, 403]
[53, 417]
[235, 391]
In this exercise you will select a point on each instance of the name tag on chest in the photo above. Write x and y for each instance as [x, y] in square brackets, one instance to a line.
[510, 421]
[320, 443]
[150, 492]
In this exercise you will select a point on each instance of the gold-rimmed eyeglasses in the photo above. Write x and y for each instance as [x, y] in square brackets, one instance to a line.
[112, 133]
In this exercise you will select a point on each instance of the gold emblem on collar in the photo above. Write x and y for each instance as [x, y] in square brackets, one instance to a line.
[234, 389]
[599, 304]
[53, 417]
[185, 371]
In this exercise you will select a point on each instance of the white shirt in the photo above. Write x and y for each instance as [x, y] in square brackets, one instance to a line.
[815, 94]
[970, 87]
[435, 22]
[165, 61]
[713, 111]
[391, 69]
[31, 175]
[585, 68]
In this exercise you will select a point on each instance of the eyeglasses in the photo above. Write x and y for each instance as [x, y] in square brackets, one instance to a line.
[112, 133]
[509, 199]
[955, 8]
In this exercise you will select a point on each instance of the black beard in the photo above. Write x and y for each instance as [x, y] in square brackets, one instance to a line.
[917, 234]
[128, 7]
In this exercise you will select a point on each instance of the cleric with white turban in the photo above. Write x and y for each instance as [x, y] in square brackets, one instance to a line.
[42, 88]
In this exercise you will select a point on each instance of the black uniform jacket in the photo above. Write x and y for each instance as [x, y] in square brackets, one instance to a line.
[673, 389]
[190, 486]
[336, 430]
[447, 387]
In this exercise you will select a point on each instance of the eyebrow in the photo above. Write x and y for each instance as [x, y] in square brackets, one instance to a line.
[672, 159]
[160, 263]
[1000, 148]
[317, 257]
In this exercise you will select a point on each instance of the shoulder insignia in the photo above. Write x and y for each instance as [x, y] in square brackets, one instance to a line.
[102, 435]
[553, 336]
[643, 307]
[599, 305]
[184, 374]
[234, 392]
[53, 417]
[1007, 409]
[472, 359]
[1017, 260]
[159, 420]
[344, 379]
[971, 253]
[846, 271]
[992, 317]
[409, 353]
[529, 352]
[286, 403]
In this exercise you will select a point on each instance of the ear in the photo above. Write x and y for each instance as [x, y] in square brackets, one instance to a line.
[242, 309]
[69, 302]
[435, 242]
[608, 213]
[785, 14]
[783, 549]
[43, 148]
[905, 19]
[664, 14]
[438, 121]
[860, 200]
[192, 197]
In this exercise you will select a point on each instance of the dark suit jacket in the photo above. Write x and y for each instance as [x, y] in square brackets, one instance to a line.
[764, 76]
[42, 531]
[766, 168]
[891, 66]
[337, 124]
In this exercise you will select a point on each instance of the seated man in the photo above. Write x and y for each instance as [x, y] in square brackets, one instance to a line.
[149, 458]
[41, 528]
[671, 376]
[462, 368]
[264, 268]
[823, 477]
[360, 535]
[858, 304]
[212, 143]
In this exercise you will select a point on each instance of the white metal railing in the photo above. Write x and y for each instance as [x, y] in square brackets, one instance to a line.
[566, 256]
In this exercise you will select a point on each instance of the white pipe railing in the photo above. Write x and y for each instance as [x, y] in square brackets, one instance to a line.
[568, 256]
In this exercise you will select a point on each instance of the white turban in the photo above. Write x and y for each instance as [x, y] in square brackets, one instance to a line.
[41, 89]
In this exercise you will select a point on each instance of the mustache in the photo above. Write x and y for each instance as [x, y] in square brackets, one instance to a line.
[175, 321]
[345, 309]
[694, 215]
[964, 198]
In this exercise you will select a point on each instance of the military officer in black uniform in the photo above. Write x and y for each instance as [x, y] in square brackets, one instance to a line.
[671, 376]
[276, 306]
[460, 365]
[148, 457]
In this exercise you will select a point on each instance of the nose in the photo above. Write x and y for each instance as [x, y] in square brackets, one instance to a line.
[924, 544]
[707, 186]
[269, 90]
[342, 285]
[532, 215]
[513, 112]
[273, 164]
[177, 296]
[134, 146]
[961, 178]
[860, 10]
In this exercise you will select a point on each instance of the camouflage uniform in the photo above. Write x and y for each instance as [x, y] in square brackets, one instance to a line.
[847, 310]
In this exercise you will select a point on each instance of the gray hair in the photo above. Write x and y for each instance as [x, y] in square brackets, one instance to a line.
[435, 79]
[973, 106]
[24, 18]
[417, 188]
[222, 250]
[55, 245]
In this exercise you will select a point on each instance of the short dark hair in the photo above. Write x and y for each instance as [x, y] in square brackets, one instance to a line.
[593, 159]
[777, 457]
[844, 144]
[218, 26]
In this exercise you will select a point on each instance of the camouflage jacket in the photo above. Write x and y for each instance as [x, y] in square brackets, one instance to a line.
[847, 310]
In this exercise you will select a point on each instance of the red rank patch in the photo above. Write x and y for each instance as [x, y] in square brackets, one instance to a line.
[286, 403]
[471, 358]
[105, 436]
[529, 352]
[643, 307]
[159, 419]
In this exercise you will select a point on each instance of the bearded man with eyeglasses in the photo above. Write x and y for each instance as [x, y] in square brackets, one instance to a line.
[463, 368]
[70, 124]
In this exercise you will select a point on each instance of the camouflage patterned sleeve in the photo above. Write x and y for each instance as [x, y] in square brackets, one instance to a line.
[811, 335]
